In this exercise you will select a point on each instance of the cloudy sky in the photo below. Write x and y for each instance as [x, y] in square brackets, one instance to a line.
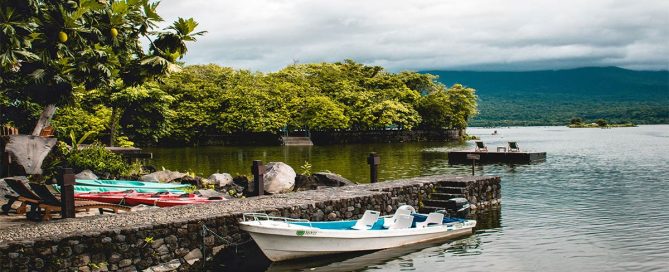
[267, 35]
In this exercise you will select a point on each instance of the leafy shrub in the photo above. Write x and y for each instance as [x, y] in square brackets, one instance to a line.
[97, 159]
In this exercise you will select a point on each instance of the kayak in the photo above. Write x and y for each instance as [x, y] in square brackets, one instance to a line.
[129, 184]
[98, 189]
[167, 200]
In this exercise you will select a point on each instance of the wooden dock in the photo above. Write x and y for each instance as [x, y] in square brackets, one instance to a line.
[463, 157]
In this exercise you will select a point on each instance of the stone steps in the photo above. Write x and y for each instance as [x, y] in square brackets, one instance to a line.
[450, 190]
[287, 140]
[444, 196]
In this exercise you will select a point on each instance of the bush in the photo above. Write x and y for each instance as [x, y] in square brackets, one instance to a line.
[97, 159]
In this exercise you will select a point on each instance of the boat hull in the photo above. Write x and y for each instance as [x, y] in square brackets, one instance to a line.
[286, 242]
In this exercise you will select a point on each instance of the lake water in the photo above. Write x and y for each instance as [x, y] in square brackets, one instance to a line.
[600, 202]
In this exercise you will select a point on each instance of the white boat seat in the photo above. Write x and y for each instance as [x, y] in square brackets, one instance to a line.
[403, 222]
[387, 222]
[432, 218]
[367, 221]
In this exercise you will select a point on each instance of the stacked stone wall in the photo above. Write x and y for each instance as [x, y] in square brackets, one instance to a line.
[172, 238]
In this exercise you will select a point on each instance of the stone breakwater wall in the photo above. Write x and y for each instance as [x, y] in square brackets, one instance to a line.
[171, 239]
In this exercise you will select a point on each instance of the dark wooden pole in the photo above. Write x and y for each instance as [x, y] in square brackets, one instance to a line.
[473, 166]
[67, 193]
[258, 169]
[373, 160]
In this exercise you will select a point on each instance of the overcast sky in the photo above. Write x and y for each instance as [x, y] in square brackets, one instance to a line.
[267, 35]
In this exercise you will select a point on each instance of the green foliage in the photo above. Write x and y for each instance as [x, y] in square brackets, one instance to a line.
[97, 159]
[450, 108]
[50, 50]
[576, 121]
[146, 111]
[601, 122]
[306, 169]
[79, 120]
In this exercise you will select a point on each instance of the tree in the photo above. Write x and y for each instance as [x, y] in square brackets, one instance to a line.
[449, 108]
[50, 48]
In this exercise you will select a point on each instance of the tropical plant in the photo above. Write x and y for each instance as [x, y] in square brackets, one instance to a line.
[49, 49]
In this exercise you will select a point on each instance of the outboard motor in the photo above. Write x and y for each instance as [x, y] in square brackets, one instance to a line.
[458, 207]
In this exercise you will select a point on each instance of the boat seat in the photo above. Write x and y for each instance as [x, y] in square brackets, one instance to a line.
[367, 221]
[403, 222]
[432, 218]
[387, 222]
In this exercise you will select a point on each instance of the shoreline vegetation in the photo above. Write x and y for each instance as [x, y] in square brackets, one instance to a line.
[599, 123]
[209, 99]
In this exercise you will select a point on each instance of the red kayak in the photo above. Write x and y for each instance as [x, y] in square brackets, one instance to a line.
[167, 200]
[110, 197]
[132, 198]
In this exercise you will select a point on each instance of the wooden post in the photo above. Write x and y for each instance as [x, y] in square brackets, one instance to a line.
[373, 160]
[258, 169]
[473, 157]
[66, 183]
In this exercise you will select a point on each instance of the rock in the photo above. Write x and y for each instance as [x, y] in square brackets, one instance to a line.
[332, 216]
[163, 176]
[279, 178]
[305, 183]
[86, 174]
[332, 179]
[212, 194]
[169, 266]
[125, 263]
[221, 179]
[193, 256]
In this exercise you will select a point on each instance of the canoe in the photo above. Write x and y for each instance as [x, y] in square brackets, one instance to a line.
[98, 189]
[167, 200]
[129, 184]
[282, 238]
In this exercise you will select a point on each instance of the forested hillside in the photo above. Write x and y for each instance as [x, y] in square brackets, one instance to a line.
[554, 97]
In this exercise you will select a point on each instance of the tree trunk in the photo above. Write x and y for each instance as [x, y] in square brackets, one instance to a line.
[113, 126]
[30, 151]
[44, 119]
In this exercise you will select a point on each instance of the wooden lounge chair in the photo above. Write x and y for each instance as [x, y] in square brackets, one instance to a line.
[26, 197]
[513, 147]
[480, 147]
[51, 203]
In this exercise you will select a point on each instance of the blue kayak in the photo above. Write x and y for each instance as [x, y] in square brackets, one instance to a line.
[99, 189]
[129, 184]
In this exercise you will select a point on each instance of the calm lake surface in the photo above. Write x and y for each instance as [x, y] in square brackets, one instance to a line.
[600, 202]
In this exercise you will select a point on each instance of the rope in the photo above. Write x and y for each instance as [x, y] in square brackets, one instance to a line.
[227, 243]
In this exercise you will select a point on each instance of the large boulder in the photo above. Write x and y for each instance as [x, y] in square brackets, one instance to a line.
[220, 179]
[163, 176]
[332, 179]
[86, 174]
[279, 178]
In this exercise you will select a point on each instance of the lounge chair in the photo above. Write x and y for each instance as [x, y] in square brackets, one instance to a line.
[480, 147]
[26, 197]
[367, 221]
[513, 147]
[51, 203]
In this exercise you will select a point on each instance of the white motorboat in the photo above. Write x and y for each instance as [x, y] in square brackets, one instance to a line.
[283, 238]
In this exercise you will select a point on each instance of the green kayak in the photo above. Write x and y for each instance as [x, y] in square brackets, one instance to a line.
[99, 189]
[129, 184]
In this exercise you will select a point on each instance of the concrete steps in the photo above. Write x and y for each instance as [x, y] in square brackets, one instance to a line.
[286, 140]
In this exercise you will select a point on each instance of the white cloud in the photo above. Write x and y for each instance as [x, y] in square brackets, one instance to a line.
[267, 35]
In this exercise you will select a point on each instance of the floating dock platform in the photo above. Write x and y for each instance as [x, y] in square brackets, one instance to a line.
[465, 157]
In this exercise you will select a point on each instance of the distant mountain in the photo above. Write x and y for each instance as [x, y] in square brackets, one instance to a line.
[553, 97]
